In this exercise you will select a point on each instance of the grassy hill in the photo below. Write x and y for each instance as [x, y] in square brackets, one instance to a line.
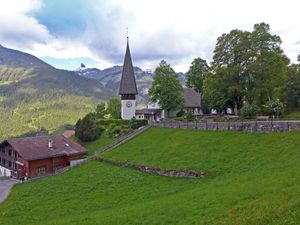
[254, 179]
[30, 87]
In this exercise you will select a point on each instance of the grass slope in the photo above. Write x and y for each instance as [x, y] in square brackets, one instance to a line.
[258, 168]
[255, 180]
[295, 115]
[100, 142]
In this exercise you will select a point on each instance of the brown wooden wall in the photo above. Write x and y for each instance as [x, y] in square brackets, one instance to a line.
[50, 165]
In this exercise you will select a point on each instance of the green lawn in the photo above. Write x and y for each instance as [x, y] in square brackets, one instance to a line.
[99, 143]
[255, 179]
[293, 115]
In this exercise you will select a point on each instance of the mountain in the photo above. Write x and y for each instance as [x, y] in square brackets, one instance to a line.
[110, 78]
[35, 95]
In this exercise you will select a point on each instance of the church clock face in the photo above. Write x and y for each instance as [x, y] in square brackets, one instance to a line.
[129, 104]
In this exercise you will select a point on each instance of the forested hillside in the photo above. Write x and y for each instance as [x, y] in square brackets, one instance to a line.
[35, 95]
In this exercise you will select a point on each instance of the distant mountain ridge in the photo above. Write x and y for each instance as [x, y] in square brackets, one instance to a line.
[110, 78]
[20, 70]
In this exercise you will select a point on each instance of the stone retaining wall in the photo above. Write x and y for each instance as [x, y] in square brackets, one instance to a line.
[154, 170]
[250, 126]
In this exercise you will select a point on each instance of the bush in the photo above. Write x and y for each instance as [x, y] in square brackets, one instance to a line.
[249, 110]
[189, 116]
[180, 113]
[134, 124]
[114, 130]
[87, 129]
[275, 108]
[100, 110]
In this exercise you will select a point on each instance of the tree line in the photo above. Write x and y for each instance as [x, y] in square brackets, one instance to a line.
[249, 74]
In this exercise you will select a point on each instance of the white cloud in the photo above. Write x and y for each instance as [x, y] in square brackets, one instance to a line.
[193, 26]
[18, 28]
[175, 30]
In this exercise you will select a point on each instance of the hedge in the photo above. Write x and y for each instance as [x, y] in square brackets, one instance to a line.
[134, 124]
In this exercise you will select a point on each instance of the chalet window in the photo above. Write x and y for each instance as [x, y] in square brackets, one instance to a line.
[9, 164]
[40, 170]
[14, 154]
[10, 152]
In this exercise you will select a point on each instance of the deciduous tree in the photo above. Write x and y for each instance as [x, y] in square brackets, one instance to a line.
[166, 88]
[100, 110]
[291, 88]
[195, 76]
[114, 108]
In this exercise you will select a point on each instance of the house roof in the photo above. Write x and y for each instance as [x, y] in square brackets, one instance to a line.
[192, 99]
[33, 148]
[69, 133]
[146, 111]
[128, 83]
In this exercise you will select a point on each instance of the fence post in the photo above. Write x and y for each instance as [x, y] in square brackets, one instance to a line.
[271, 126]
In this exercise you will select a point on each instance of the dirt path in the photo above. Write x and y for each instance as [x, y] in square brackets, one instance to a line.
[5, 187]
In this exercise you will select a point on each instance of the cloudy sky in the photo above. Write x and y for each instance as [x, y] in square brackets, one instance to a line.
[65, 33]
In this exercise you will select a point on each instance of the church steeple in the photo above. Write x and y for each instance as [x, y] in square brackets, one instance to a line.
[128, 83]
[128, 89]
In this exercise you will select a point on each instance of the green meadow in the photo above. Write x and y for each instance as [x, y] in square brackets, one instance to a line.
[254, 178]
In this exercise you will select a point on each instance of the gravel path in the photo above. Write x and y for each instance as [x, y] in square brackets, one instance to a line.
[5, 187]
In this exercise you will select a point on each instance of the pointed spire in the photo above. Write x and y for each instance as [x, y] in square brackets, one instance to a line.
[128, 83]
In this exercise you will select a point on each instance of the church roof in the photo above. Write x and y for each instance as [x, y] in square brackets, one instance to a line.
[192, 99]
[128, 83]
[147, 111]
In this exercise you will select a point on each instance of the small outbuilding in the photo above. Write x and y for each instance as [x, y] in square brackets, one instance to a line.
[192, 101]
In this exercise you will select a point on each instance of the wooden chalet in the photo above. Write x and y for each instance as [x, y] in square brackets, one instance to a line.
[29, 157]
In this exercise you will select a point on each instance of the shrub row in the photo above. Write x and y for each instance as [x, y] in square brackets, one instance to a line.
[134, 124]
[89, 128]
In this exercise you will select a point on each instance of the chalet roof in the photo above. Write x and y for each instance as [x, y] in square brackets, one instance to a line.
[192, 99]
[128, 83]
[147, 111]
[33, 148]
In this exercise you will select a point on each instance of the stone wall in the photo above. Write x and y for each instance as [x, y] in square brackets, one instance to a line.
[250, 126]
[155, 170]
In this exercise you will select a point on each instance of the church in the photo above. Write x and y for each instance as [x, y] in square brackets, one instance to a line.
[153, 112]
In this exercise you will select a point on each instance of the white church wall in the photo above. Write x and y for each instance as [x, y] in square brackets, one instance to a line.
[128, 109]
[140, 116]
[154, 105]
